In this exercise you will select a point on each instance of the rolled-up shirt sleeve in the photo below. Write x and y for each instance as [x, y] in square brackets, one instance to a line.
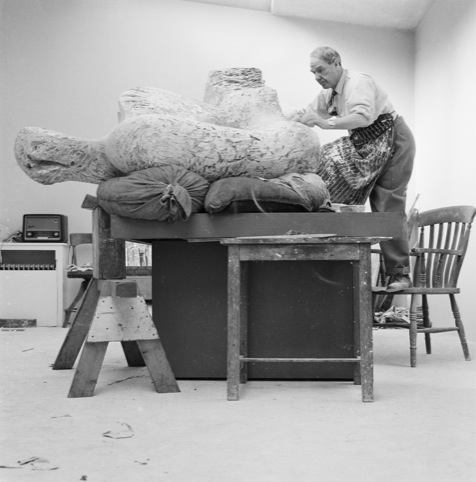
[319, 106]
[360, 97]
[357, 93]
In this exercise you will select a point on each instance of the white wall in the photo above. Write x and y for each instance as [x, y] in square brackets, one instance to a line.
[445, 83]
[65, 64]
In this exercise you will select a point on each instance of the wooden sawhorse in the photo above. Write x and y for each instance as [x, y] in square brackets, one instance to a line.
[121, 315]
[356, 250]
[111, 311]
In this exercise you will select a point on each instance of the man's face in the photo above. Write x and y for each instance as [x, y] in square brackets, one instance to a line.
[327, 75]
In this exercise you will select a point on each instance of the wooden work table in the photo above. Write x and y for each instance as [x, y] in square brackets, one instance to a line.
[300, 249]
[289, 303]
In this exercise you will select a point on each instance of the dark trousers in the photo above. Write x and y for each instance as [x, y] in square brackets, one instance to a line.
[389, 195]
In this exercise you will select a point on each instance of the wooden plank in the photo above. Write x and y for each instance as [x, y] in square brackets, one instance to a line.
[78, 332]
[87, 372]
[137, 271]
[299, 253]
[109, 258]
[72, 307]
[122, 288]
[133, 354]
[259, 224]
[437, 330]
[462, 214]
[158, 366]
[122, 319]
[90, 202]
[303, 360]
[284, 238]
[311, 239]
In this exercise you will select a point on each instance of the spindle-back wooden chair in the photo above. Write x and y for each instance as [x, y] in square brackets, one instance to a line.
[438, 255]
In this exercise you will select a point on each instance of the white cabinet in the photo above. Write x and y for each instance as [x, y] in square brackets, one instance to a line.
[33, 282]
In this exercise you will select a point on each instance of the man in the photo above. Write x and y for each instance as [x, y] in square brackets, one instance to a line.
[355, 102]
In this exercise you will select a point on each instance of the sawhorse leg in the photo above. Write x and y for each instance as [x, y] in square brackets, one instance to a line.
[78, 331]
[73, 306]
[92, 357]
[121, 315]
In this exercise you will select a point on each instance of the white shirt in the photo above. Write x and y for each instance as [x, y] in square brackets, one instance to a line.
[357, 93]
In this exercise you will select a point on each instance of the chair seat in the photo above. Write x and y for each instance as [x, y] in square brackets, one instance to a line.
[80, 274]
[437, 253]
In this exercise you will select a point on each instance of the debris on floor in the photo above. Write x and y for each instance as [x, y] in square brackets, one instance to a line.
[395, 314]
[126, 432]
[17, 323]
[36, 463]
[142, 462]
[125, 379]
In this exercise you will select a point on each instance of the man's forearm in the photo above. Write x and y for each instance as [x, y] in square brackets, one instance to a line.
[349, 122]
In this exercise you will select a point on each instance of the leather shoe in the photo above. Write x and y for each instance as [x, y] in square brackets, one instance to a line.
[399, 282]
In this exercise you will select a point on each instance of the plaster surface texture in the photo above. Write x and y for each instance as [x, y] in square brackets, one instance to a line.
[421, 427]
[238, 130]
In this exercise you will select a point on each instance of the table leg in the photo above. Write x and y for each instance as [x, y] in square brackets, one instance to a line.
[356, 318]
[365, 322]
[234, 322]
[244, 321]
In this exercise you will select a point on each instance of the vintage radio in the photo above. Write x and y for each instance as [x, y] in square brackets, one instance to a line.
[45, 228]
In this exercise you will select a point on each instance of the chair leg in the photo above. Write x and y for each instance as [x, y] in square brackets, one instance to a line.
[426, 323]
[72, 308]
[413, 330]
[460, 326]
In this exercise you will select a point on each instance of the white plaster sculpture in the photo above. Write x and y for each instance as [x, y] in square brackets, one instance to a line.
[239, 130]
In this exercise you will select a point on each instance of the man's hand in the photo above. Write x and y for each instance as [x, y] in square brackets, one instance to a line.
[311, 119]
[351, 121]
[295, 116]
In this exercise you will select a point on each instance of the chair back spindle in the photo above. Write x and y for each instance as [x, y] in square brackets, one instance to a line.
[441, 246]
[438, 253]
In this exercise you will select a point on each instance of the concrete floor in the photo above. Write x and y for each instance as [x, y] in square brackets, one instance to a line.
[420, 428]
